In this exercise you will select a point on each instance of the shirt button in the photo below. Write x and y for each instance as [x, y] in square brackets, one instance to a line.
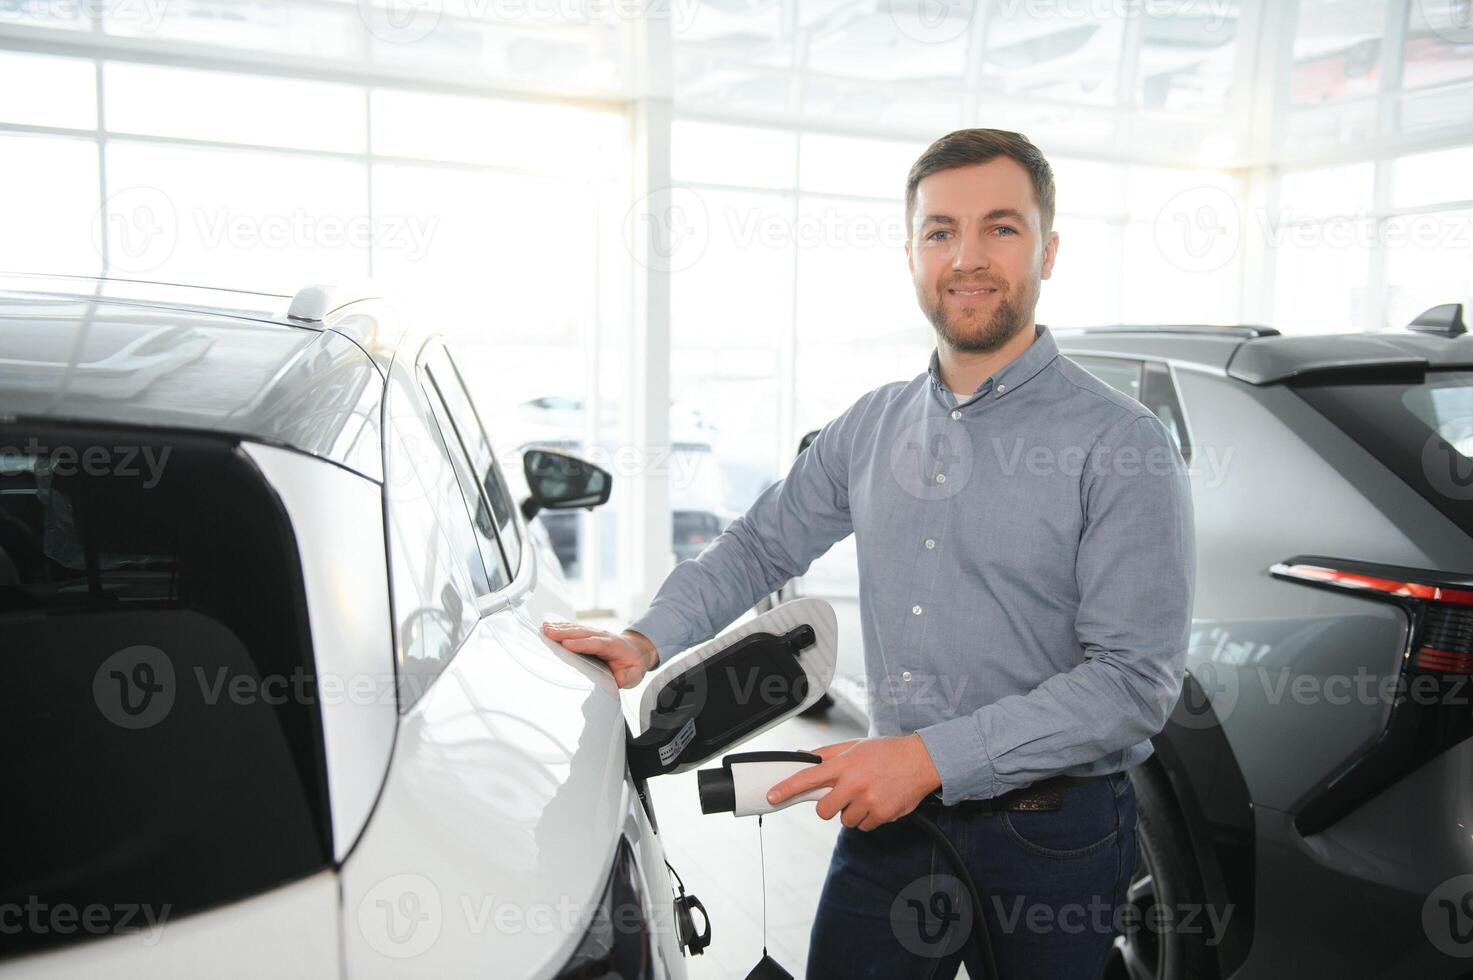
[940, 477]
[956, 415]
[1001, 389]
[915, 610]
[905, 676]
[930, 542]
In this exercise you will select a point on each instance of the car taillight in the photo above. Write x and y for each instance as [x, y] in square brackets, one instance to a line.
[1447, 640]
[1430, 712]
[1442, 640]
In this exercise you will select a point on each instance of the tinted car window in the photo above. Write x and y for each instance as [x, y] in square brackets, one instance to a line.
[1422, 431]
[478, 448]
[161, 730]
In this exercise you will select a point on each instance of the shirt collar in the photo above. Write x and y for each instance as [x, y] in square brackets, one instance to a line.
[1013, 374]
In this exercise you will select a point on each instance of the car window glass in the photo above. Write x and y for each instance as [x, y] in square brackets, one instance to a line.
[480, 451]
[435, 565]
[1119, 373]
[476, 509]
[1158, 393]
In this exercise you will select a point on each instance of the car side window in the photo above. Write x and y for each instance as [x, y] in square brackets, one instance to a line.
[1158, 393]
[1120, 373]
[435, 566]
[1149, 383]
[481, 453]
[476, 510]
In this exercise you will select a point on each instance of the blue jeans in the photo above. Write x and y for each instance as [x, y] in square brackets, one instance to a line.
[1052, 882]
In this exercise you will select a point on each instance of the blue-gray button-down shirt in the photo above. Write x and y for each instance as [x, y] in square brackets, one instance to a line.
[1026, 567]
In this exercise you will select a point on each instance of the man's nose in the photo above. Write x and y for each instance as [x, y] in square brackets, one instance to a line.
[971, 252]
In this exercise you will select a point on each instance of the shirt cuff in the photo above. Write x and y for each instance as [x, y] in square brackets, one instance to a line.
[961, 759]
[662, 628]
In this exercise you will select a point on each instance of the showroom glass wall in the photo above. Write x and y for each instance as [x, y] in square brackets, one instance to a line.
[793, 296]
[494, 217]
[1375, 210]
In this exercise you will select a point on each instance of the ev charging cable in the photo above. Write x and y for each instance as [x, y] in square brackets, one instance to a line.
[739, 786]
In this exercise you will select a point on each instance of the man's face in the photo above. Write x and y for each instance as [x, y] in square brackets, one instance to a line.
[977, 252]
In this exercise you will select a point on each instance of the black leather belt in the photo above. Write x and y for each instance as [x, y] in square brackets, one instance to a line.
[1046, 794]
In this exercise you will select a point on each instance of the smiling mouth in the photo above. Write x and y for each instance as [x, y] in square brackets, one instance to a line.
[982, 291]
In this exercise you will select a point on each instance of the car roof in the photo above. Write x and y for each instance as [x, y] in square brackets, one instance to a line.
[1262, 356]
[160, 356]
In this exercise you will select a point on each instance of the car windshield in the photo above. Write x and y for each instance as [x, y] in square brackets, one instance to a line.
[1422, 431]
[162, 736]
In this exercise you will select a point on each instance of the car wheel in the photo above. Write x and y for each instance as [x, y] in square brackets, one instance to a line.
[1166, 875]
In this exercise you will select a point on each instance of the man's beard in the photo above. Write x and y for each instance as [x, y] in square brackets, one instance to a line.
[970, 334]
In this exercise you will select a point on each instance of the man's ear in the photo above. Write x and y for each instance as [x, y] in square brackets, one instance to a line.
[1050, 250]
[910, 262]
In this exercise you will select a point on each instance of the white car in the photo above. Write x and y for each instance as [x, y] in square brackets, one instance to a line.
[280, 704]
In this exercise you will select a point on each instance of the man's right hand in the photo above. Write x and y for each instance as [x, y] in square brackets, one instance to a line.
[630, 655]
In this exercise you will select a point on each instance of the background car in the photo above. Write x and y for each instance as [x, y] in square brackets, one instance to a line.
[1310, 788]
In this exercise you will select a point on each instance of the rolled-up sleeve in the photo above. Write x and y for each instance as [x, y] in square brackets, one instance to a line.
[1135, 567]
[792, 522]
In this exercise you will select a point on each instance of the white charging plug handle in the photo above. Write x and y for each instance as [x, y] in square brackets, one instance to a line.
[752, 780]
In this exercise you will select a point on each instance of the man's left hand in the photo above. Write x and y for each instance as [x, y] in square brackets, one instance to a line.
[874, 780]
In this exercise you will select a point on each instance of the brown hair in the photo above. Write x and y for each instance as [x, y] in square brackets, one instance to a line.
[966, 147]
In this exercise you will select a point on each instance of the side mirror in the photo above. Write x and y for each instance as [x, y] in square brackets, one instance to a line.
[806, 441]
[560, 481]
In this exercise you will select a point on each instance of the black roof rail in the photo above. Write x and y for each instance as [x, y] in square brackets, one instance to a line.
[1444, 321]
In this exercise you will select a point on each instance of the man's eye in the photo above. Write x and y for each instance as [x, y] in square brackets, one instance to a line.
[933, 234]
[1010, 231]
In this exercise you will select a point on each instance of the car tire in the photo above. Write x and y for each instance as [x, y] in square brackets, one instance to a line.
[1166, 874]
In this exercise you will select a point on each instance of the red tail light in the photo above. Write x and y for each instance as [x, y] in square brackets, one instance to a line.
[1439, 609]
[1443, 640]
